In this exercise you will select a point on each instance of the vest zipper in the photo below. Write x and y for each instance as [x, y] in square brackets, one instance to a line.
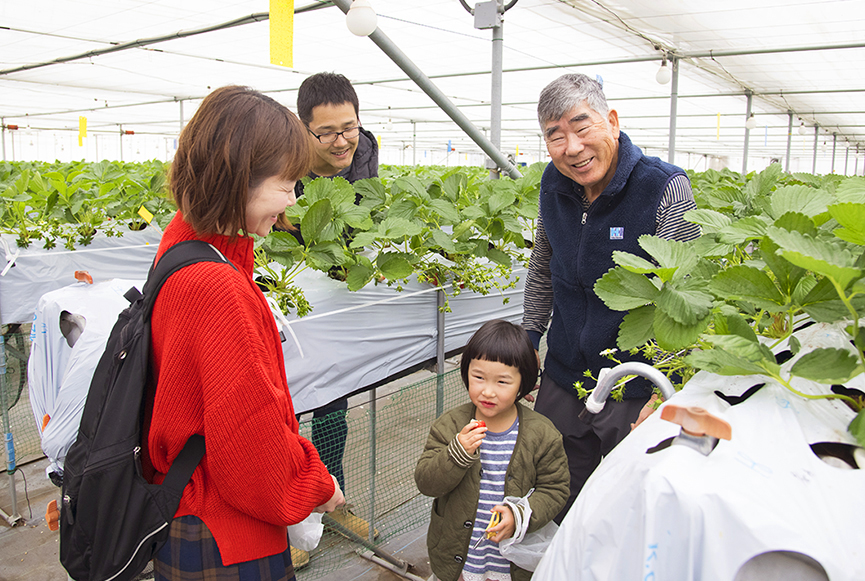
[585, 215]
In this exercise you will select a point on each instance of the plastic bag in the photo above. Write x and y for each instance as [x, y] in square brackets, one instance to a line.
[525, 550]
[306, 534]
[527, 553]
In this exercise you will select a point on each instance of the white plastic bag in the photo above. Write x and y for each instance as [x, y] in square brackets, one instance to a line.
[525, 550]
[527, 553]
[306, 534]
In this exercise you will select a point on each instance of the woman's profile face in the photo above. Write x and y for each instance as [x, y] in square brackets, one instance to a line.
[267, 202]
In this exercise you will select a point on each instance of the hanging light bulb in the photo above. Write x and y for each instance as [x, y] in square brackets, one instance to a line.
[664, 74]
[361, 18]
[389, 125]
[802, 129]
[751, 123]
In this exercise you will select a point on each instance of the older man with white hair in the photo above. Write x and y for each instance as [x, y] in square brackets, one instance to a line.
[599, 195]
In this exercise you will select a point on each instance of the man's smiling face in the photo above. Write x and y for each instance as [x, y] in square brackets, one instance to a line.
[584, 146]
[331, 158]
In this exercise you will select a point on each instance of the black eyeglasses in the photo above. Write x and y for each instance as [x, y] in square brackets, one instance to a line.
[330, 137]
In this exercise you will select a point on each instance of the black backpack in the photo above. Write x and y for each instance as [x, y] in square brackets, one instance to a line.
[112, 521]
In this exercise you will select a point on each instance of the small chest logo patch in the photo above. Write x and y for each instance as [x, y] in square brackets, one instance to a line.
[617, 233]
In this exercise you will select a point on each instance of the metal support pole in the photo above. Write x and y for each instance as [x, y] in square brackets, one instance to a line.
[846, 157]
[789, 139]
[434, 93]
[440, 352]
[496, 92]
[414, 143]
[814, 159]
[856, 162]
[3, 125]
[180, 102]
[674, 104]
[372, 466]
[834, 146]
[121, 143]
[399, 564]
[748, 99]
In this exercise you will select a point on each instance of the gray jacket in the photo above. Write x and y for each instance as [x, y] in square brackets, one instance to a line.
[538, 462]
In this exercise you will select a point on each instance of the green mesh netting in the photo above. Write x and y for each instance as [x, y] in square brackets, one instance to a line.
[381, 451]
[17, 417]
[384, 441]
[397, 431]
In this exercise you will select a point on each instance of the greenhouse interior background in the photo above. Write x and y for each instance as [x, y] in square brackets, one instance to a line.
[136, 71]
[736, 85]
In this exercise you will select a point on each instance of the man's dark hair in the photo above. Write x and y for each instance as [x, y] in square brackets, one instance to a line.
[324, 89]
[507, 343]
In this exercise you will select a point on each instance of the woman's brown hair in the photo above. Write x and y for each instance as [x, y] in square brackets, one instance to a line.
[237, 138]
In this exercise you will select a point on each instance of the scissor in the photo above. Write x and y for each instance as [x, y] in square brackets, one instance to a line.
[489, 534]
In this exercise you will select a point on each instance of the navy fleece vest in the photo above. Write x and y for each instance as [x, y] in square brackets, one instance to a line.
[582, 245]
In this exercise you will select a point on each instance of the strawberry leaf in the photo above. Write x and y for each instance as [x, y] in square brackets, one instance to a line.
[827, 366]
[622, 290]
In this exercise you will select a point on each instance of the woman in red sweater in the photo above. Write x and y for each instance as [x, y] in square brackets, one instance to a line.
[217, 360]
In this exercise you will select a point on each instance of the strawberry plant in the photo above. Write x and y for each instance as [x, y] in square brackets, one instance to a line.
[455, 230]
[775, 251]
[452, 227]
[70, 203]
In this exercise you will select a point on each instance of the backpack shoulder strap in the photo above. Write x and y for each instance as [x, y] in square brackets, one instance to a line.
[178, 256]
[184, 464]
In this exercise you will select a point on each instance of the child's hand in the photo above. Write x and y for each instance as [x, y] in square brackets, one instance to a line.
[506, 527]
[471, 435]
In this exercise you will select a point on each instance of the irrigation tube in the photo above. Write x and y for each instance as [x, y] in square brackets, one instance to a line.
[426, 85]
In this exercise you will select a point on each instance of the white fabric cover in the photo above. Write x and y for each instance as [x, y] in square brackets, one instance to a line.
[37, 271]
[350, 341]
[676, 514]
[59, 375]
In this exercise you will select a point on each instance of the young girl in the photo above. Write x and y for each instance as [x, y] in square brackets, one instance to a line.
[482, 451]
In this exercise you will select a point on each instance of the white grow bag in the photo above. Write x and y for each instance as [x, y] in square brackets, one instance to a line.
[676, 514]
[59, 375]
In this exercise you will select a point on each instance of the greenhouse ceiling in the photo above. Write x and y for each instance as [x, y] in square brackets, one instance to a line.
[64, 60]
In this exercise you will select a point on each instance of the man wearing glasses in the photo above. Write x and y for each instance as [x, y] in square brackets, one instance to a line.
[328, 106]
[600, 194]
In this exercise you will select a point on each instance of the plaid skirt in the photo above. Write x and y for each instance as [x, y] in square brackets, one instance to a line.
[191, 554]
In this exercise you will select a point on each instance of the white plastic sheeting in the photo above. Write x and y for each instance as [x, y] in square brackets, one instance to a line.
[351, 341]
[154, 89]
[34, 271]
[59, 374]
[676, 514]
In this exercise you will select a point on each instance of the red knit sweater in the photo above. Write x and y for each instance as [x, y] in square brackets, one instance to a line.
[219, 371]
